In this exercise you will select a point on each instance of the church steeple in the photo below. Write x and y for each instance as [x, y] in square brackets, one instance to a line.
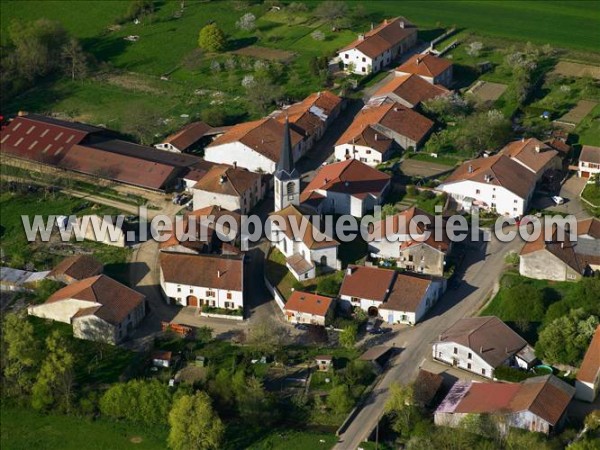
[287, 178]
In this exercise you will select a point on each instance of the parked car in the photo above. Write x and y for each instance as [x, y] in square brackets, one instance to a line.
[558, 200]
[300, 326]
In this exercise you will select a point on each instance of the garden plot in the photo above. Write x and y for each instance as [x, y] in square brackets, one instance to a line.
[488, 91]
[272, 54]
[572, 69]
[577, 114]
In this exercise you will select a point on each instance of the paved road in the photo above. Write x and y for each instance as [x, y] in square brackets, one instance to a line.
[484, 264]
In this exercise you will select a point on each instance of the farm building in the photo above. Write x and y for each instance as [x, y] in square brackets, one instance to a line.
[409, 90]
[377, 48]
[431, 68]
[189, 137]
[75, 268]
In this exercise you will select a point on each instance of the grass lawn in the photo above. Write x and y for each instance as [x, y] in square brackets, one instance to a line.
[443, 160]
[592, 194]
[589, 128]
[295, 440]
[23, 429]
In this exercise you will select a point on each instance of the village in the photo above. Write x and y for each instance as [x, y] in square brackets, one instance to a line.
[358, 343]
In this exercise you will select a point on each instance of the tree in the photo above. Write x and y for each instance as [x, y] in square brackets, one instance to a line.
[140, 401]
[318, 35]
[329, 286]
[483, 131]
[523, 301]
[194, 424]
[138, 9]
[401, 408]
[331, 10]
[213, 116]
[340, 399]
[267, 335]
[448, 107]
[20, 354]
[348, 336]
[255, 405]
[74, 60]
[142, 123]
[262, 93]
[565, 340]
[388, 210]
[54, 382]
[247, 22]
[212, 38]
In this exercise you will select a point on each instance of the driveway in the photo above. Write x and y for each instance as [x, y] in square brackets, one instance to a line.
[570, 191]
[483, 265]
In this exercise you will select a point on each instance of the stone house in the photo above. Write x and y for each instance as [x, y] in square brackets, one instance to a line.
[303, 307]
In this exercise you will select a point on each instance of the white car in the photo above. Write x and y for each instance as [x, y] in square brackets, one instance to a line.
[558, 200]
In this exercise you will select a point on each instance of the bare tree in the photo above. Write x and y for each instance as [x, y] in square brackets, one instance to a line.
[74, 60]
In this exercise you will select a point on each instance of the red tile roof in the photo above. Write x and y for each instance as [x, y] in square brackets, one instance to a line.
[407, 292]
[411, 88]
[77, 267]
[312, 238]
[531, 152]
[352, 177]
[227, 180]
[217, 272]
[426, 65]
[370, 283]
[264, 136]
[304, 302]
[392, 116]
[588, 372]
[590, 153]
[385, 36]
[589, 227]
[116, 300]
[188, 135]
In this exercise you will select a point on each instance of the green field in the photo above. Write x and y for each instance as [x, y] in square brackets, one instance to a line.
[23, 429]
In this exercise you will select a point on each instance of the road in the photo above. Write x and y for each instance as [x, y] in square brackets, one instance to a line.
[484, 265]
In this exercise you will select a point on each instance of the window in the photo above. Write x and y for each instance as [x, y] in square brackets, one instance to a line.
[368, 152]
[346, 56]
[210, 294]
[355, 299]
[229, 296]
[364, 59]
[469, 366]
[482, 371]
[470, 355]
[478, 191]
[363, 69]
[455, 351]
[363, 159]
[178, 288]
[493, 196]
[439, 354]
[516, 201]
[191, 290]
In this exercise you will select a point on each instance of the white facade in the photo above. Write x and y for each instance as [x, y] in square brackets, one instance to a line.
[458, 355]
[588, 170]
[487, 196]
[187, 295]
[233, 153]
[242, 203]
[432, 295]
[342, 203]
[362, 64]
[61, 311]
[306, 318]
[363, 153]
[587, 391]
[287, 192]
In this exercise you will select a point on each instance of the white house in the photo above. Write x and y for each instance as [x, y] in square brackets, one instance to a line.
[306, 251]
[347, 187]
[537, 404]
[587, 384]
[413, 245]
[377, 48]
[395, 297]
[202, 280]
[374, 130]
[231, 188]
[306, 308]
[253, 145]
[589, 162]
[481, 344]
[431, 68]
[497, 183]
[99, 309]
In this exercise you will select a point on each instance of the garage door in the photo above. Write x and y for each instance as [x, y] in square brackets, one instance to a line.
[585, 174]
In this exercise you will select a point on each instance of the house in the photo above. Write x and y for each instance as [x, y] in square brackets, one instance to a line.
[481, 344]
[393, 296]
[195, 173]
[534, 155]
[537, 404]
[254, 145]
[304, 254]
[589, 162]
[409, 90]
[346, 187]
[413, 245]
[99, 309]
[312, 116]
[497, 184]
[426, 388]
[162, 359]
[76, 268]
[91, 152]
[188, 137]
[211, 232]
[562, 259]
[16, 280]
[377, 48]
[202, 280]
[312, 309]
[431, 68]
[323, 362]
[386, 121]
[587, 383]
[228, 187]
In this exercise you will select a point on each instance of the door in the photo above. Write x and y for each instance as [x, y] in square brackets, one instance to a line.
[192, 301]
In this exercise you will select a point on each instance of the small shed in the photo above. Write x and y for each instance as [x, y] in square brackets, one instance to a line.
[377, 355]
[162, 359]
[323, 362]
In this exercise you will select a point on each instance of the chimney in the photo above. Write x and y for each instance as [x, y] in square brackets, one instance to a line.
[22, 113]
[402, 24]
[470, 168]
[319, 94]
[385, 21]
[349, 271]
[376, 137]
[372, 26]
[418, 61]
[361, 37]
[481, 349]
[223, 179]
[235, 164]
[218, 274]
[562, 244]
[537, 148]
